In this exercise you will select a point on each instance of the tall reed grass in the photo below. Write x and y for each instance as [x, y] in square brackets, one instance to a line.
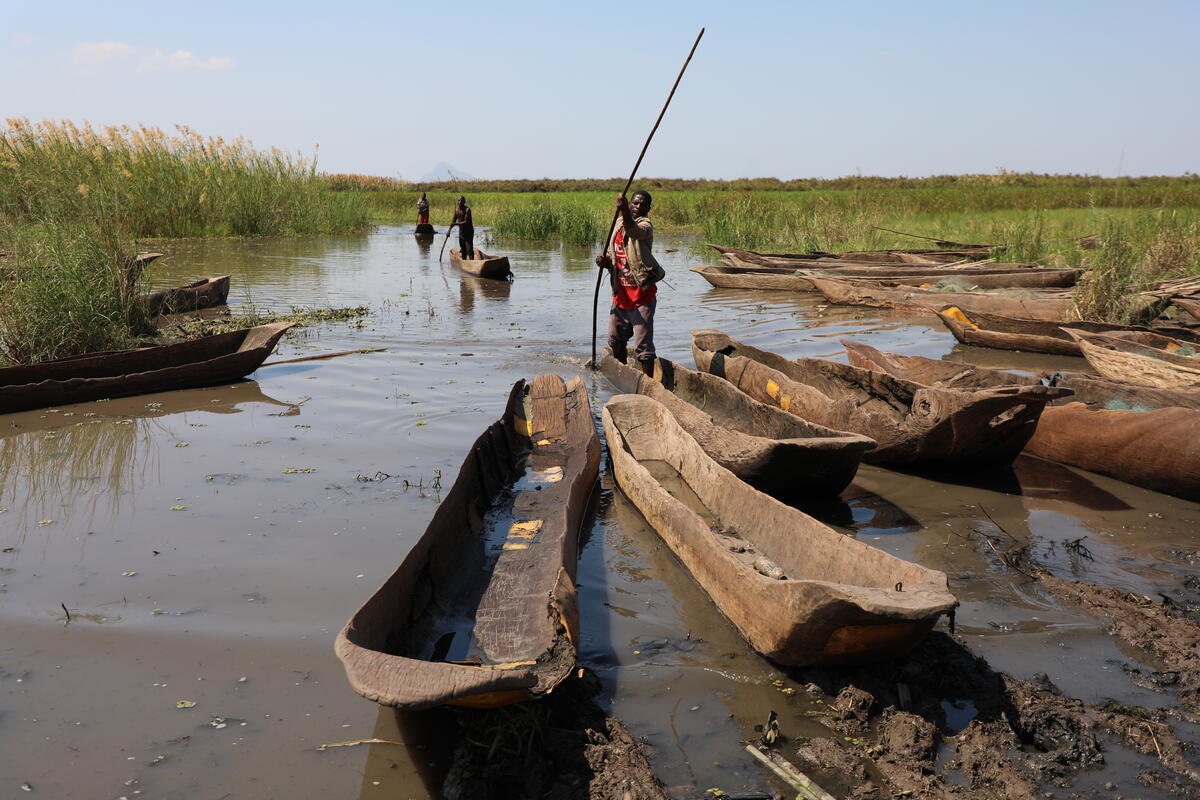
[148, 183]
[70, 288]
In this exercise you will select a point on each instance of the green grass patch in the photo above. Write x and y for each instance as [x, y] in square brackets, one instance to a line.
[69, 288]
[248, 316]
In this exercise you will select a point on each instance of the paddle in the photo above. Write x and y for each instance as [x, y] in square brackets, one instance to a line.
[443, 250]
[608, 240]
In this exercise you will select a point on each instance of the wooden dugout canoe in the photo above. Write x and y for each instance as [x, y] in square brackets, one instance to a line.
[483, 265]
[211, 360]
[775, 452]
[204, 293]
[1189, 304]
[1035, 336]
[482, 611]
[910, 256]
[854, 270]
[1029, 304]
[1154, 447]
[841, 602]
[913, 425]
[1144, 358]
[801, 281]
[424, 229]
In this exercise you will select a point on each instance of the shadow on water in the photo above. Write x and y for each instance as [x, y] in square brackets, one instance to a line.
[860, 509]
[414, 756]
[1037, 479]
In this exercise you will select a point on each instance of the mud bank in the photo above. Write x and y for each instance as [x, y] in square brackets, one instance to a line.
[562, 748]
[943, 724]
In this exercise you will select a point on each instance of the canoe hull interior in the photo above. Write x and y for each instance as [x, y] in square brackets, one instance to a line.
[482, 611]
[840, 601]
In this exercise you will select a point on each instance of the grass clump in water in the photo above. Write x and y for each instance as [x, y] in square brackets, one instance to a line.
[570, 221]
[249, 316]
[69, 288]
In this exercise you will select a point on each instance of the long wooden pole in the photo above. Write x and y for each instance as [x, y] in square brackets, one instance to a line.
[633, 174]
[443, 250]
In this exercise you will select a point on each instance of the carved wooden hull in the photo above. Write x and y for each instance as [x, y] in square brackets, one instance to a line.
[482, 611]
[843, 601]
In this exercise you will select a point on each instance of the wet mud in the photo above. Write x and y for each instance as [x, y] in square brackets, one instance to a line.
[562, 748]
[174, 568]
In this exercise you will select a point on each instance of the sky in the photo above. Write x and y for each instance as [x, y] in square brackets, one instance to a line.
[570, 89]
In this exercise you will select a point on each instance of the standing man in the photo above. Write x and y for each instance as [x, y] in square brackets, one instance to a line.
[466, 228]
[633, 273]
[422, 210]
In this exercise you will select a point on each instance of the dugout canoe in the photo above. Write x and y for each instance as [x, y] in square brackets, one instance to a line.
[204, 293]
[209, 361]
[832, 599]
[1044, 304]
[483, 265]
[1145, 358]
[424, 229]
[913, 425]
[801, 280]
[1036, 336]
[482, 611]
[850, 269]
[909, 256]
[775, 452]
[1139, 435]
[1189, 304]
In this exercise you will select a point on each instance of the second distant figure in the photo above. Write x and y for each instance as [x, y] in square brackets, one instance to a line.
[466, 228]
[423, 210]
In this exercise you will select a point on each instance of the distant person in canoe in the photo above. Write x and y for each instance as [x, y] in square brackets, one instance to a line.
[633, 273]
[466, 228]
[422, 210]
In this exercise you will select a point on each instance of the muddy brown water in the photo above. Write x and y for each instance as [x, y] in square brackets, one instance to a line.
[209, 544]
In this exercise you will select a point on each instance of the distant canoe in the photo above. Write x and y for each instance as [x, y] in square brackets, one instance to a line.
[424, 229]
[799, 592]
[1032, 335]
[1041, 304]
[1140, 435]
[482, 611]
[483, 265]
[204, 293]
[775, 452]
[913, 425]
[910, 256]
[801, 280]
[209, 361]
[1145, 358]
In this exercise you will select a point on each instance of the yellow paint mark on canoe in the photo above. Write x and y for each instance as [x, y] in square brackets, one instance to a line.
[525, 530]
[956, 313]
[543, 442]
[522, 425]
[548, 475]
[785, 402]
[514, 546]
[772, 388]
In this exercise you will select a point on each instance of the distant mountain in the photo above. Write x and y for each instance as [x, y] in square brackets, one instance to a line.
[445, 172]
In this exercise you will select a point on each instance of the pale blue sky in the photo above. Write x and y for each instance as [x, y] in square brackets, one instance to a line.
[540, 89]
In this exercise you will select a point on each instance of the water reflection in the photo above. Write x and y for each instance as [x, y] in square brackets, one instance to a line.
[100, 452]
